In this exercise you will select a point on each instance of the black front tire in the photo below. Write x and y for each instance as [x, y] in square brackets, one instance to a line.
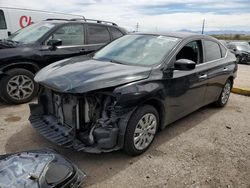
[129, 146]
[10, 74]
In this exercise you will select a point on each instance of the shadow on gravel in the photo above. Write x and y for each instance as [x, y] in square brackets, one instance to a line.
[103, 166]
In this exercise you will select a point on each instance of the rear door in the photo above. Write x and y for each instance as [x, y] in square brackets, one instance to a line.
[97, 36]
[217, 67]
[73, 43]
[3, 25]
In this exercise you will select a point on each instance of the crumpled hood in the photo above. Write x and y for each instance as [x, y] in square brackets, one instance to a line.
[38, 169]
[78, 75]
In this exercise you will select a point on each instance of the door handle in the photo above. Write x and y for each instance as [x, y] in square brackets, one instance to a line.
[82, 50]
[203, 76]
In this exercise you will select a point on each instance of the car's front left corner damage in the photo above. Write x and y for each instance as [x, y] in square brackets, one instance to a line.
[92, 121]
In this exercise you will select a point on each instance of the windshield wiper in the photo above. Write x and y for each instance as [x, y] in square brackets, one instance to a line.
[12, 41]
[115, 61]
[109, 60]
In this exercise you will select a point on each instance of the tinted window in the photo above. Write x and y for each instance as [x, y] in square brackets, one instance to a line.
[2, 20]
[212, 51]
[98, 34]
[115, 33]
[191, 51]
[70, 35]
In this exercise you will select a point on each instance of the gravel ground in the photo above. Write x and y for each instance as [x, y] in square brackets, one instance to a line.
[209, 148]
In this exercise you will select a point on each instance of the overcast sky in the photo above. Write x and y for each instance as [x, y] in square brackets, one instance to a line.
[160, 15]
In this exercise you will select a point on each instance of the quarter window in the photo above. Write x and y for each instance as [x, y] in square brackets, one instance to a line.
[70, 35]
[115, 33]
[98, 34]
[223, 51]
[2, 21]
[212, 50]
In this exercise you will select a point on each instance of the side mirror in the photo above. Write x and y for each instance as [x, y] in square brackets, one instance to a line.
[184, 64]
[54, 42]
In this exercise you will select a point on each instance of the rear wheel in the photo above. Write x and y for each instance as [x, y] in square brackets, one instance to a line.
[18, 86]
[141, 130]
[225, 93]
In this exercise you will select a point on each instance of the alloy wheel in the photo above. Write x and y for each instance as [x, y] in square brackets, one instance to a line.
[226, 93]
[20, 87]
[145, 131]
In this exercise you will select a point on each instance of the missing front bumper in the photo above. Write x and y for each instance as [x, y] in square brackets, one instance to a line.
[49, 126]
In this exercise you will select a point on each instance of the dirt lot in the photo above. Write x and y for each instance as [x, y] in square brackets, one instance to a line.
[209, 148]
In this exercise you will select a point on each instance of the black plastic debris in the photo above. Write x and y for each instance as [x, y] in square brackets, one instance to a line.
[38, 169]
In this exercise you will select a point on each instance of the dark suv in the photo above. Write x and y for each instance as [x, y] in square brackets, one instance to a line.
[34, 47]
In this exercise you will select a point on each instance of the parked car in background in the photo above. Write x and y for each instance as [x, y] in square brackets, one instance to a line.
[14, 19]
[130, 89]
[241, 51]
[239, 42]
[28, 50]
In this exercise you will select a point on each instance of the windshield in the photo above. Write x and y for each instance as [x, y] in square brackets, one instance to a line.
[31, 33]
[137, 49]
[2, 20]
[243, 47]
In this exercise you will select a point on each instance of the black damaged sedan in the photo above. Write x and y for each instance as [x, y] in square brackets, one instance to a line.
[129, 90]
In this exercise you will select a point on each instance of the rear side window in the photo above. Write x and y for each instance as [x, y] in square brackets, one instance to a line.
[70, 35]
[115, 33]
[2, 21]
[212, 51]
[98, 34]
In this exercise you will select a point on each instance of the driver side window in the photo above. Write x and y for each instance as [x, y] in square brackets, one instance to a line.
[191, 51]
[69, 34]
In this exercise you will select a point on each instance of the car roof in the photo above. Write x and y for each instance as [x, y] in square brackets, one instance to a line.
[181, 35]
[81, 20]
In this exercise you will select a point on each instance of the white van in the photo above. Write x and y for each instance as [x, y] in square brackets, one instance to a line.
[13, 19]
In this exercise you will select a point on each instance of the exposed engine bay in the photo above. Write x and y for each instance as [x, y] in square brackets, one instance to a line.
[86, 122]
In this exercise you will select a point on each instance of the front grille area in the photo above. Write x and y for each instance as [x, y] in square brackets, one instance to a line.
[64, 109]
[65, 120]
[55, 117]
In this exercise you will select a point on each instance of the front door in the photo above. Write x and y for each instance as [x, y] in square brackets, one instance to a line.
[73, 43]
[186, 89]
